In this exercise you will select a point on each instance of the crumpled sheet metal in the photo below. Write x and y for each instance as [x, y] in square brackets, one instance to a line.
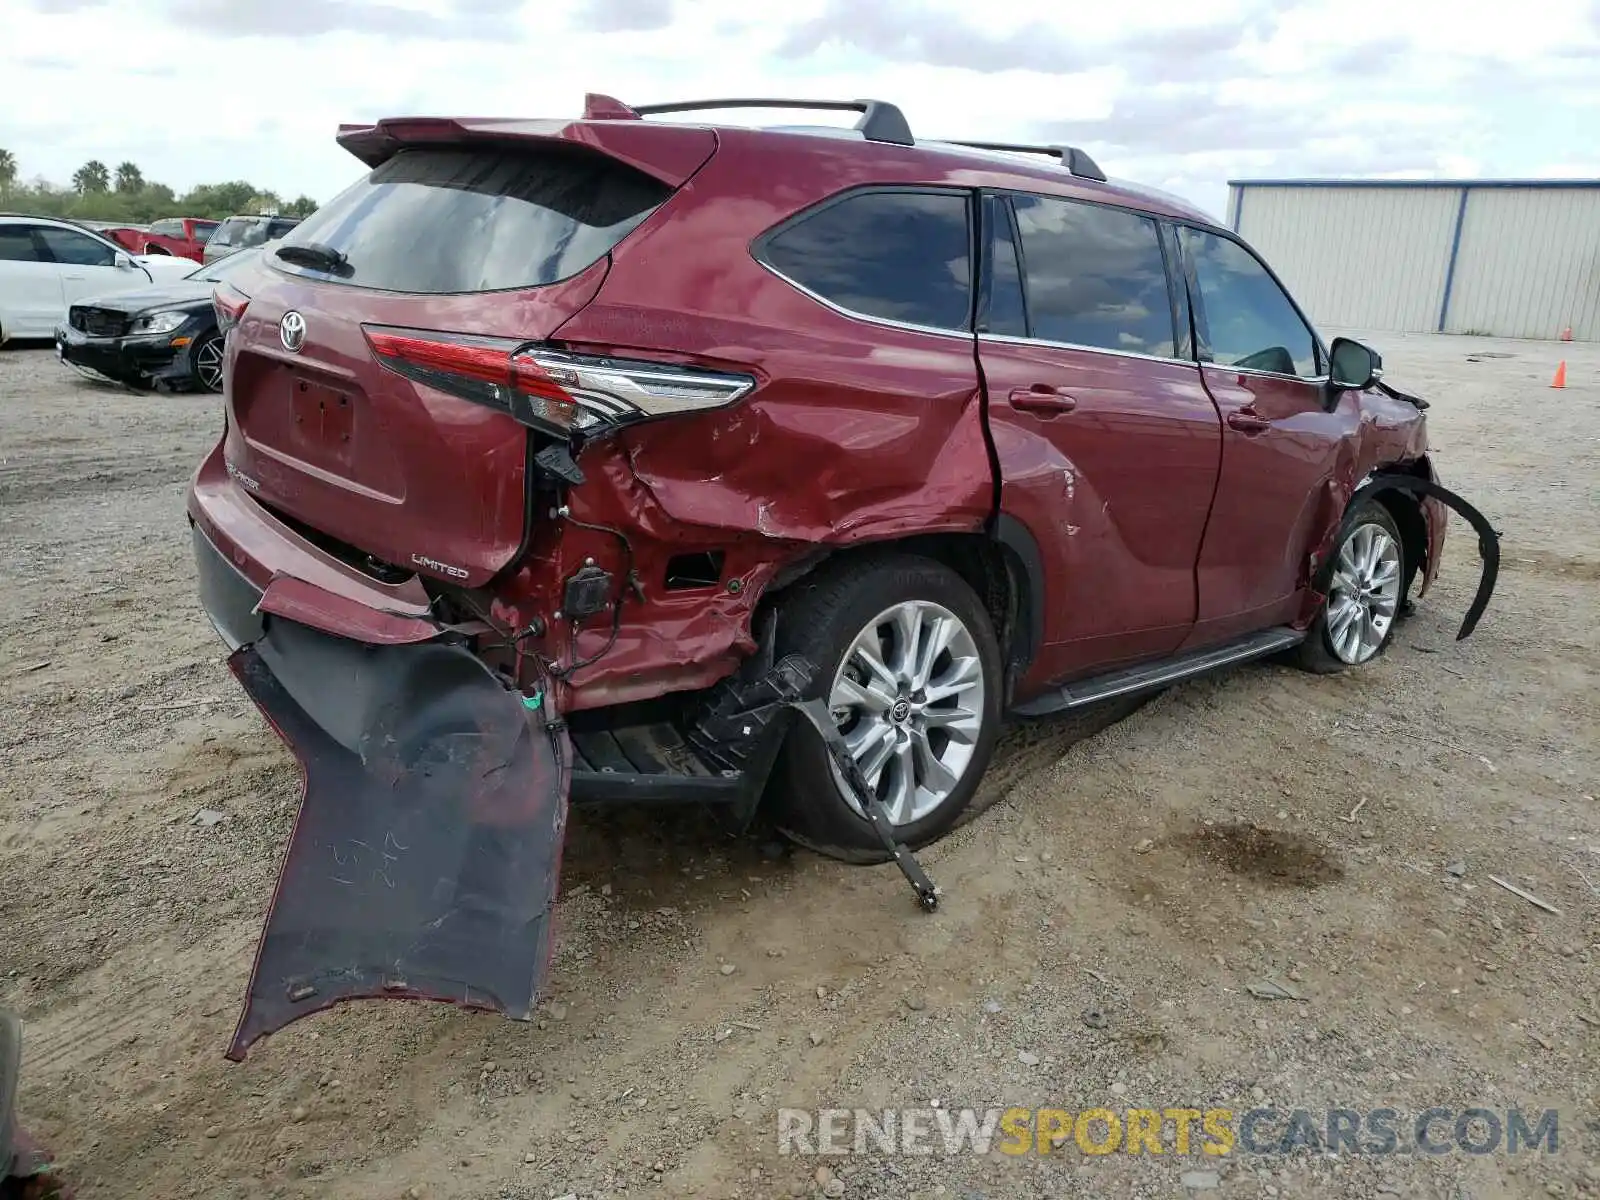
[701, 484]
[876, 472]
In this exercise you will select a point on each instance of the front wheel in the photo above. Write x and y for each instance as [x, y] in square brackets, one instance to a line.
[206, 363]
[1356, 622]
[910, 667]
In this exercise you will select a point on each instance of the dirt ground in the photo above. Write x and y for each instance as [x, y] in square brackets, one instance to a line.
[1100, 926]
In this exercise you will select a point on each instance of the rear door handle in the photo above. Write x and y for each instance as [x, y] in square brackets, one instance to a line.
[1043, 399]
[1246, 421]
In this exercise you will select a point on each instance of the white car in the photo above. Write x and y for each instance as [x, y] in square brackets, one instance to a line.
[46, 265]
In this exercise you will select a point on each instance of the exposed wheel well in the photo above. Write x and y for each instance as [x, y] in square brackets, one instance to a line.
[1406, 510]
[994, 570]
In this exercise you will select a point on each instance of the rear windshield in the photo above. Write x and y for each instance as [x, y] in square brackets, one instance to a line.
[454, 220]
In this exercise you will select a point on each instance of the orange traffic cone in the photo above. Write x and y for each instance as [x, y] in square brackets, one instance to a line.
[1560, 381]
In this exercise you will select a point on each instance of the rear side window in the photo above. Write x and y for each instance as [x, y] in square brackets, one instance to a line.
[901, 256]
[455, 220]
[1095, 276]
[204, 229]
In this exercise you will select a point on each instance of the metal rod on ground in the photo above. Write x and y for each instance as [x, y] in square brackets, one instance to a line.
[817, 713]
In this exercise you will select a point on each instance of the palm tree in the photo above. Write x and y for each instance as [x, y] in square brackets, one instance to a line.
[8, 170]
[130, 178]
[92, 177]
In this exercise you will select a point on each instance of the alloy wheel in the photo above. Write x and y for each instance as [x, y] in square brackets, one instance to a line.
[208, 364]
[1365, 593]
[908, 698]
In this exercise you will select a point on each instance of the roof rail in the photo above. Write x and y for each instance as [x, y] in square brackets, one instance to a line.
[880, 121]
[1073, 159]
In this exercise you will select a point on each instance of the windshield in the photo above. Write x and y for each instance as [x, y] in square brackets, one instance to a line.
[219, 269]
[230, 231]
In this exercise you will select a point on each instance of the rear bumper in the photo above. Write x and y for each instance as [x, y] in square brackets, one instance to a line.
[252, 567]
[288, 575]
[22, 1160]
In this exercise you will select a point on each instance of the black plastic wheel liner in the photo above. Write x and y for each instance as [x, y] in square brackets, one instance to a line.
[1488, 536]
[425, 859]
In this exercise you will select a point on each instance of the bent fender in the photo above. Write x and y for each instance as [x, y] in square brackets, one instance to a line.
[1488, 536]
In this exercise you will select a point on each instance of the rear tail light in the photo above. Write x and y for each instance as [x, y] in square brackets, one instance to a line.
[229, 304]
[550, 389]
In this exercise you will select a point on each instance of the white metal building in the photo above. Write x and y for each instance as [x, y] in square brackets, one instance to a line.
[1500, 257]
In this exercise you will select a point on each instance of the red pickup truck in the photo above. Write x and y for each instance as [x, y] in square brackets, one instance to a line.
[184, 237]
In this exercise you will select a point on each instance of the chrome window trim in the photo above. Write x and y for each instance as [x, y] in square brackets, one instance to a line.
[1266, 374]
[964, 335]
[1008, 339]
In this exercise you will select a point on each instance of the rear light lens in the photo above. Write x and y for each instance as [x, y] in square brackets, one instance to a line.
[229, 304]
[550, 389]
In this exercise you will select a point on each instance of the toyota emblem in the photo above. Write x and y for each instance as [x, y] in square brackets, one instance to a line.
[292, 331]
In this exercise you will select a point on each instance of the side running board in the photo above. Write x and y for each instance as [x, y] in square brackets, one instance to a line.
[1144, 676]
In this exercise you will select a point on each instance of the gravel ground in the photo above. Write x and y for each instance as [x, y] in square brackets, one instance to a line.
[1100, 928]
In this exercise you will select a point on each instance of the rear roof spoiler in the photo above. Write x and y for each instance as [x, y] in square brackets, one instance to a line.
[670, 153]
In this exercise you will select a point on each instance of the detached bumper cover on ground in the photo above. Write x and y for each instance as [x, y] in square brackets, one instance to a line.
[425, 858]
[24, 1166]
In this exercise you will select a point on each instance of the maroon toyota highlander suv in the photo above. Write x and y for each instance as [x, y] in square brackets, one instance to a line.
[573, 456]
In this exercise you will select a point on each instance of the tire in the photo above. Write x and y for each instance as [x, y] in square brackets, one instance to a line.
[926, 760]
[1373, 597]
[205, 363]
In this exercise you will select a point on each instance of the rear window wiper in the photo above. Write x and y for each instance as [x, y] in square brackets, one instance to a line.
[313, 254]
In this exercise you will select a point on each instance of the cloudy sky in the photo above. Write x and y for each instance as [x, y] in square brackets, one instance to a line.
[1182, 96]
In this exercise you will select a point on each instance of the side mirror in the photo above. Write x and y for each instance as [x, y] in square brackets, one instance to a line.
[123, 262]
[1352, 365]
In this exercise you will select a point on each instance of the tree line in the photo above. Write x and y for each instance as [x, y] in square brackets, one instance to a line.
[98, 193]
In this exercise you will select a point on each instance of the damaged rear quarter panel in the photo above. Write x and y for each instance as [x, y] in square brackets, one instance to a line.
[858, 432]
[797, 466]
